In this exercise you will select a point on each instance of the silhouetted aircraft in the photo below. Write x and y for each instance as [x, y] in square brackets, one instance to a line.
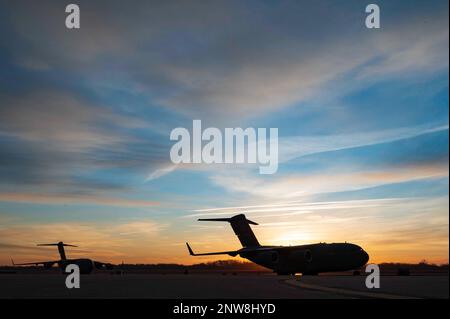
[86, 265]
[308, 259]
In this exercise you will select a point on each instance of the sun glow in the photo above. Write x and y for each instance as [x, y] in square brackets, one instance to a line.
[292, 238]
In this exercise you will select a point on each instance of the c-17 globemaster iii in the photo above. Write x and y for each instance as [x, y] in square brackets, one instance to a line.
[309, 259]
[86, 265]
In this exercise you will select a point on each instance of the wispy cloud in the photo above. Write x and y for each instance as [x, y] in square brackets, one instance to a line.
[296, 185]
[62, 119]
[160, 172]
[56, 140]
[298, 207]
[298, 146]
[58, 199]
[294, 147]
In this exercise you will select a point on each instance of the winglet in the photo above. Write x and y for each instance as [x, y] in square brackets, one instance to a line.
[12, 260]
[190, 250]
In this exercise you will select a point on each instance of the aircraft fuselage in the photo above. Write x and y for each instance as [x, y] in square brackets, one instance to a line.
[86, 265]
[309, 259]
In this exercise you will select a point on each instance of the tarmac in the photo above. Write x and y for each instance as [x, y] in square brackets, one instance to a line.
[206, 286]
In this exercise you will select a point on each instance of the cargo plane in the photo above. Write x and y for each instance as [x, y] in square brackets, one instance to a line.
[86, 265]
[310, 259]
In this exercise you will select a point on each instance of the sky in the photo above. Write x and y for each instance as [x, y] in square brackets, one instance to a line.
[86, 115]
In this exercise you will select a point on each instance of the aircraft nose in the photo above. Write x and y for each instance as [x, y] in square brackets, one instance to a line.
[364, 257]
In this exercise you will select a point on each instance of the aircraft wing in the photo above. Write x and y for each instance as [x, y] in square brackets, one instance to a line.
[232, 253]
[36, 263]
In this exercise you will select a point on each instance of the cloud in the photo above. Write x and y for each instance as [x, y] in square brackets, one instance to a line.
[298, 146]
[140, 228]
[217, 61]
[59, 118]
[222, 59]
[297, 207]
[296, 185]
[58, 199]
[160, 172]
[417, 50]
[57, 141]
[294, 147]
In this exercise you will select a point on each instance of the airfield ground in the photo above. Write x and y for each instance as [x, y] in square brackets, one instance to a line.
[245, 286]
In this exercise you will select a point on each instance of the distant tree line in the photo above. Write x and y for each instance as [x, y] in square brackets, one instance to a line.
[233, 266]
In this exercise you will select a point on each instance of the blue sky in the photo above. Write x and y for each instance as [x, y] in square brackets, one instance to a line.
[85, 118]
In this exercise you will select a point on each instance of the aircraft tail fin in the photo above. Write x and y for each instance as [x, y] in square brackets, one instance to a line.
[241, 227]
[60, 245]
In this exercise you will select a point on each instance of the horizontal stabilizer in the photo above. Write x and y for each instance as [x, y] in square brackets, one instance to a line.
[57, 244]
[241, 227]
[224, 220]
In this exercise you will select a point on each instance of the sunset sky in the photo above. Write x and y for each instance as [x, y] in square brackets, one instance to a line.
[85, 118]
